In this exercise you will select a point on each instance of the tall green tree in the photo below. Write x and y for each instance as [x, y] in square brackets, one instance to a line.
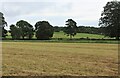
[43, 30]
[71, 29]
[15, 32]
[26, 29]
[4, 32]
[110, 19]
[3, 23]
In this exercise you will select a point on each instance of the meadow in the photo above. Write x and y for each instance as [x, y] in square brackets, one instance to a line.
[79, 38]
[55, 59]
[79, 35]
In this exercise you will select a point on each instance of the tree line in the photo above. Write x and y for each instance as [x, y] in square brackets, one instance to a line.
[82, 29]
[109, 26]
[43, 30]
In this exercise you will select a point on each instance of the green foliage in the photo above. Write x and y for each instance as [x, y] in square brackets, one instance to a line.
[26, 29]
[4, 32]
[2, 20]
[13, 31]
[110, 19]
[88, 29]
[3, 23]
[56, 29]
[71, 28]
[43, 30]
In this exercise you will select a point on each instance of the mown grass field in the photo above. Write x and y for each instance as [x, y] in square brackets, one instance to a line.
[79, 35]
[44, 58]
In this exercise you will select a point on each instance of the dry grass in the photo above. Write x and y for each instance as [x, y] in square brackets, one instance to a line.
[0, 59]
[76, 59]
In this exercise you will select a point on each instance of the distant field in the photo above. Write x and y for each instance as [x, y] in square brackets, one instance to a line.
[43, 58]
[79, 35]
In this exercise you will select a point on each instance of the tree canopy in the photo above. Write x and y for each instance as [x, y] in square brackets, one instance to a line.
[26, 29]
[71, 28]
[110, 19]
[15, 32]
[43, 30]
[3, 23]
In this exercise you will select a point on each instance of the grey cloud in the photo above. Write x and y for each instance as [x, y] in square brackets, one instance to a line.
[13, 9]
[55, 11]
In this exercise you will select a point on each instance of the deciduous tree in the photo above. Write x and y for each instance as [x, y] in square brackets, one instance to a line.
[26, 29]
[43, 30]
[71, 28]
[3, 23]
[15, 32]
[110, 19]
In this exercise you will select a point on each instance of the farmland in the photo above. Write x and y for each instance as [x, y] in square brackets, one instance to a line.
[65, 39]
[44, 58]
[79, 35]
[53, 38]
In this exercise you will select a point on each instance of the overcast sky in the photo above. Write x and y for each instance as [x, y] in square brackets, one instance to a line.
[84, 12]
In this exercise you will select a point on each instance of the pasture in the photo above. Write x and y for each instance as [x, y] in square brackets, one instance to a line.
[51, 59]
[62, 35]
[78, 35]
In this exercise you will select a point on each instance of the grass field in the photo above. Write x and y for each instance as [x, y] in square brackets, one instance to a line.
[79, 35]
[44, 58]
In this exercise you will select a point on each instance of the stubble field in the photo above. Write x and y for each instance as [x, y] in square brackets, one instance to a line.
[51, 59]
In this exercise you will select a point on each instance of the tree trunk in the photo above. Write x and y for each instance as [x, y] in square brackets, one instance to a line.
[70, 37]
[117, 37]
[23, 37]
[30, 37]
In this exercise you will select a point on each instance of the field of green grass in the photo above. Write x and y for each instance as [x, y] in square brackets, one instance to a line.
[79, 35]
[44, 59]
[65, 39]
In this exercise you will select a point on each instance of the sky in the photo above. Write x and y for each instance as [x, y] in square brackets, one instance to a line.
[56, 12]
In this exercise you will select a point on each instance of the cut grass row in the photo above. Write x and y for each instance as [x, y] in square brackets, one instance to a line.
[67, 41]
[75, 59]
